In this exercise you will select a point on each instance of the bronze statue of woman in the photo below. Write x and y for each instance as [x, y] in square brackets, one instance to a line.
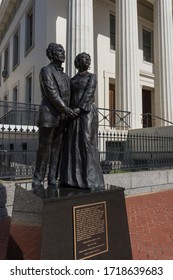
[80, 166]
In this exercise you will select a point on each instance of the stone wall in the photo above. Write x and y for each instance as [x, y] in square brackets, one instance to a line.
[133, 182]
[141, 181]
[162, 130]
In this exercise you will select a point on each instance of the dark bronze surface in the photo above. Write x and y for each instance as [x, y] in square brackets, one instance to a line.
[55, 89]
[68, 136]
[80, 160]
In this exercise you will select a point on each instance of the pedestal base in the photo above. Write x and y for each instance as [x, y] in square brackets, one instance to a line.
[75, 225]
[59, 232]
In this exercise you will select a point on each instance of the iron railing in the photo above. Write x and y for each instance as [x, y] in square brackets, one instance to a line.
[18, 113]
[118, 150]
[148, 120]
[124, 151]
[18, 139]
[113, 118]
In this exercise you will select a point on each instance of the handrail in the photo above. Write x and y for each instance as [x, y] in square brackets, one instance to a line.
[113, 118]
[149, 116]
[9, 111]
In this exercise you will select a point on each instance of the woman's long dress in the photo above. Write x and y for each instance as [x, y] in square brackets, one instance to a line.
[80, 165]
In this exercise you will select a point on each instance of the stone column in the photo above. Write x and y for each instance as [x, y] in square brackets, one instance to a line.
[127, 65]
[80, 32]
[163, 61]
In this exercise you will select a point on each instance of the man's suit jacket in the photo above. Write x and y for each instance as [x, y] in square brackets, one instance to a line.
[55, 89]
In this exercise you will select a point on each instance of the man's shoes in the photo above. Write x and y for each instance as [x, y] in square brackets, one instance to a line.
[52, 191]
[36, 183]
[38, 188]
[52, 184]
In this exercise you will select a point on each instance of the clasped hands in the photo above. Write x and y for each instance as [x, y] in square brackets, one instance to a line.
[72, 113]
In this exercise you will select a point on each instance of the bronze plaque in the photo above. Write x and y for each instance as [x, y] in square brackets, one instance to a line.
[90, 230]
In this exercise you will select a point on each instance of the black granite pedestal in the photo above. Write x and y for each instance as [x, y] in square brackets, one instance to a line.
[73, 225]
[86, 226]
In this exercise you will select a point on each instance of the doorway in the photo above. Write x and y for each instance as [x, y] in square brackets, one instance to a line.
[146, 108]
[112, 105]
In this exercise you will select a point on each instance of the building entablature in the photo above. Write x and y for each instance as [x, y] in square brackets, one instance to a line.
[8, 9]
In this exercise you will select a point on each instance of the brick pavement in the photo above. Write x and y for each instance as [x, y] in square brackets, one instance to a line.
[28, 237]
[150, 218]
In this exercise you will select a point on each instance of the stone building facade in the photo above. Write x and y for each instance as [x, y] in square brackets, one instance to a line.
[130, 43]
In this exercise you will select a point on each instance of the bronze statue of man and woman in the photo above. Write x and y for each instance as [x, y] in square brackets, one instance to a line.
[68, 126]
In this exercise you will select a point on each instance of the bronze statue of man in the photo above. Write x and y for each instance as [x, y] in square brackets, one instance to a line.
[53, 111]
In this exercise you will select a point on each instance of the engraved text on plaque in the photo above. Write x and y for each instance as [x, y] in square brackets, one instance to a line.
[90, 230]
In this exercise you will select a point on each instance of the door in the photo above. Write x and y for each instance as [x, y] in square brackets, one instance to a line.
[146, 107]
[112, 105]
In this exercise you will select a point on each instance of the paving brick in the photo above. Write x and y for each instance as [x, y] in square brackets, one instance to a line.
[150, 220]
